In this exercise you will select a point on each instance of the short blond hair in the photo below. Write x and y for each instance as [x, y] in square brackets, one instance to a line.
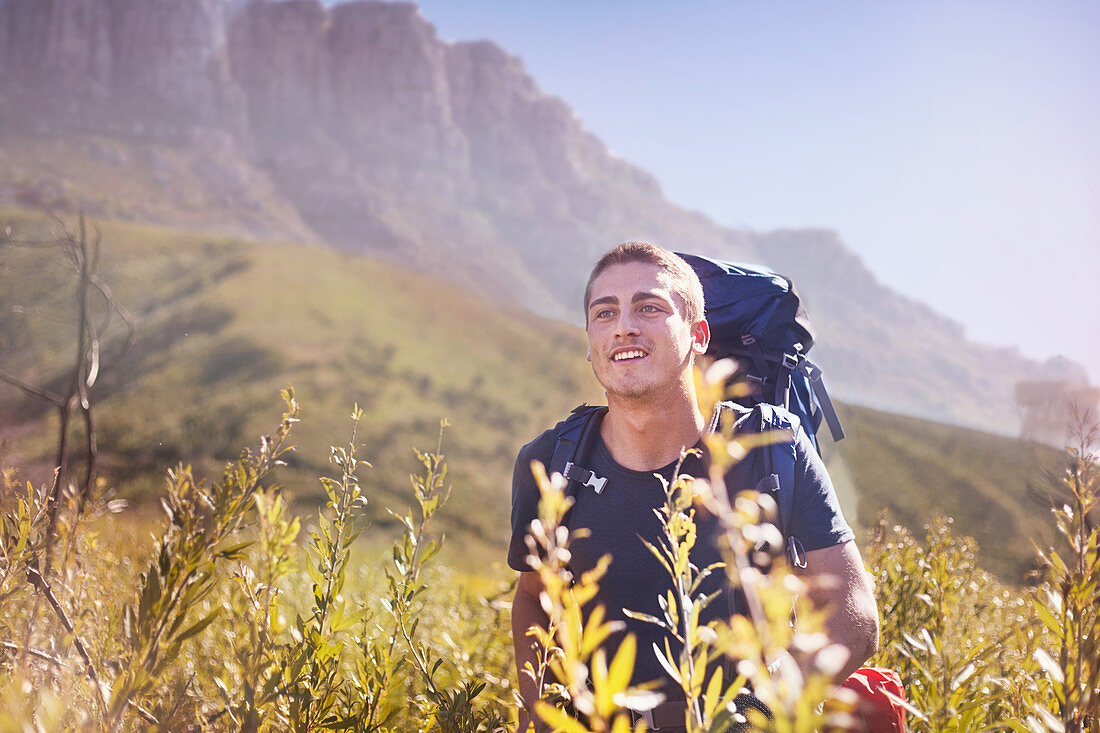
[685, 283]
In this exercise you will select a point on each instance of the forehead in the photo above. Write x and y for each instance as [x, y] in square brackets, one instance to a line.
[624, 280]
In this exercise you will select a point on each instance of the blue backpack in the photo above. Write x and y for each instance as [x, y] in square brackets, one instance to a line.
[756, 318]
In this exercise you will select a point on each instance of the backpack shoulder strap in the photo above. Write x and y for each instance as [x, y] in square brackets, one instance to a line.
[817, 387]
[775, 464]
[572, 446]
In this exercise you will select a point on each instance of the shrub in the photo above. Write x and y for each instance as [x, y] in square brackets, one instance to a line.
[194, 652]
[228, 622]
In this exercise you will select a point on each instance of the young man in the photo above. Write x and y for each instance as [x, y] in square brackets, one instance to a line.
[645, 324]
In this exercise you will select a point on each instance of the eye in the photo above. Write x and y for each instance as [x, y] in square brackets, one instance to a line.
[603, 313]
[649, 308]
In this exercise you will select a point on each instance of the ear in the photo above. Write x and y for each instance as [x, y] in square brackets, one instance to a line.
[700, 337]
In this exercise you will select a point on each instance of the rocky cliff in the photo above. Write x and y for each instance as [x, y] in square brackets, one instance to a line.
[138, 67]
[357, 126]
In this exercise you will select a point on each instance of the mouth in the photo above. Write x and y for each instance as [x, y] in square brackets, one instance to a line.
[630, 354]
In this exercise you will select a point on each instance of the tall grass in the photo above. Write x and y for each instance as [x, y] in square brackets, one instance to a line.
[976, 655]
[237, 615]
[206, 643]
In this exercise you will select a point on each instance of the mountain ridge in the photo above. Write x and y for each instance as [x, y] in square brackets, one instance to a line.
[356, 126]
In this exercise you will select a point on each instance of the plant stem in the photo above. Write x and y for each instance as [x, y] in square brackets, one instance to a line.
[35, 578]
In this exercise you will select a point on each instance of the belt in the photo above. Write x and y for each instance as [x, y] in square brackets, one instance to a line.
[667, 716]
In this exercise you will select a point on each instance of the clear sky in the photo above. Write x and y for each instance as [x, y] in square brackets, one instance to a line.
[953, 144]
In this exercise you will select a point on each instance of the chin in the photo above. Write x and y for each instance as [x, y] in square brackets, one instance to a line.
[631, 391]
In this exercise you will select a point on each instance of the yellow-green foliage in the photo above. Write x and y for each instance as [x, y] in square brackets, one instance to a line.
[223, 621]
[587, 686]
[1068, 602]
[976, 654]
[227, 620]
[225, 624]
[961, 641]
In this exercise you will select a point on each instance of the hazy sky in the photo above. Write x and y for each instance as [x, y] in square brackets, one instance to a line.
[954, 145]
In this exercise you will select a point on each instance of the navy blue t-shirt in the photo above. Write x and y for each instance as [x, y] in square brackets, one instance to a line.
[618, 518]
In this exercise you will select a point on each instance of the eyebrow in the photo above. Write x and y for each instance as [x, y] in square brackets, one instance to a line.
[637, 297]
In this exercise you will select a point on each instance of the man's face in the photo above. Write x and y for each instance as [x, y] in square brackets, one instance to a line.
[638, 341]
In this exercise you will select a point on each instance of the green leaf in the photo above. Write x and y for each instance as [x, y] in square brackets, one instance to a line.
[622, 665]
[235, 552]
[1049, 666]
[639, 616]
[665, 660]
[198, 626]
[557, 719]
[150, 594]
[914, 642]
[1052, 722]
[713, 695]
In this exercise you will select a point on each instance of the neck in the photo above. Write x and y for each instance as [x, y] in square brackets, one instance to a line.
[645, 434]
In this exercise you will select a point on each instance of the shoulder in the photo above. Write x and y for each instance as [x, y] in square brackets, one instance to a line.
[539, 449]
[525, 491]
[764, 418]
[774, 417]
[542, 447]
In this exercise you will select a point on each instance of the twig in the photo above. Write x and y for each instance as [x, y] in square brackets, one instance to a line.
[143, 713]
[207, 720]
[33, 653]
[35, 578]
[31, 389]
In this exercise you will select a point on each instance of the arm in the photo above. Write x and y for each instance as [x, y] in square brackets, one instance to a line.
[840, 585]
[527, 612]
[526, 607]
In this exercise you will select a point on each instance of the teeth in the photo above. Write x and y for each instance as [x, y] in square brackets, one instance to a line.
[633, 354]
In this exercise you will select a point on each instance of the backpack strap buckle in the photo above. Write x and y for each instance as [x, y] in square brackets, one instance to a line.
[811, 370]
[573, 472]
[769, 484]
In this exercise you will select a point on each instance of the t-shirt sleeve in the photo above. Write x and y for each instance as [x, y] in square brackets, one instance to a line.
[525, 498]
[817, 520]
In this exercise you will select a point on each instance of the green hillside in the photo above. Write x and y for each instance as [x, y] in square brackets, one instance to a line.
[919, 470]
[223, 324]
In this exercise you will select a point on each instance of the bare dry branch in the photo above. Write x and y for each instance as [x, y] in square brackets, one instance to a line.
[31, 389]
[35, 578]
[33, 653]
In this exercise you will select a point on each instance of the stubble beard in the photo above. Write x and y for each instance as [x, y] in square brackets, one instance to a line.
[639, 389]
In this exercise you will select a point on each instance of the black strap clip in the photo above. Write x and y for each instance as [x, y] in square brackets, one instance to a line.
[573, 472]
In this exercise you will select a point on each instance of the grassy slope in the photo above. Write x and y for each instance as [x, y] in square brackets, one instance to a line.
[919, 470]
[224, 324]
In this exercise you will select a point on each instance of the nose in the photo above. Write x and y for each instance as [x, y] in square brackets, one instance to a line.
[627, 324]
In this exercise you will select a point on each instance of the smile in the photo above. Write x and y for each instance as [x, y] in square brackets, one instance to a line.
[628, 354]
